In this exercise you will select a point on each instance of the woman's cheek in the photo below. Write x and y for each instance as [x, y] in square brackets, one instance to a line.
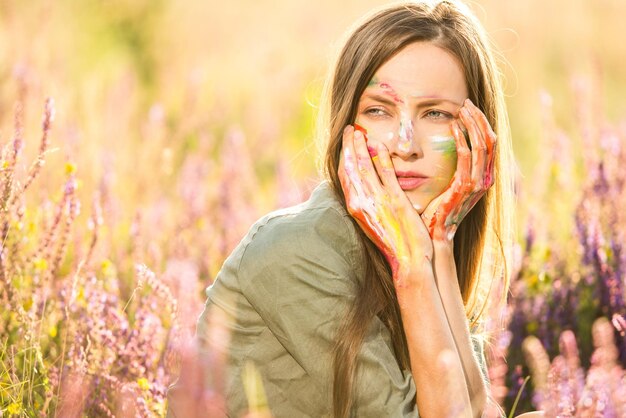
[450, 163]
[444, 145]
[444, 150]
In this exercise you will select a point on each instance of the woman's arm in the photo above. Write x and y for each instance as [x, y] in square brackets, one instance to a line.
[437, 361]
[448, 286]
[473, 177]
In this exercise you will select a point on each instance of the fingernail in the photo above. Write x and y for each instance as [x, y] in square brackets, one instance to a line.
[346, 129]
[469, 101]
[465, 111]
[358, 134]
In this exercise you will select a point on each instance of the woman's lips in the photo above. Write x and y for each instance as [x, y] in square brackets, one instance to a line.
[410, 183]
[410, 180]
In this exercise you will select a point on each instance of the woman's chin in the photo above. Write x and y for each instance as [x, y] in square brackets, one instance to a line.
[421, 202]
[418, 204]
[419, 209]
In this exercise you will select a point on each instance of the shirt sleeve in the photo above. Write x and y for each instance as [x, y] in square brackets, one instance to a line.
[301, 280]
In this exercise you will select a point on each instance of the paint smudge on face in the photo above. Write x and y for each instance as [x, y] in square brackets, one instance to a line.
[405, 133]
[387, 89]
[444, 144]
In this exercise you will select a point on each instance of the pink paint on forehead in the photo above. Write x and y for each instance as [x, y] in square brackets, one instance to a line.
[387, 89]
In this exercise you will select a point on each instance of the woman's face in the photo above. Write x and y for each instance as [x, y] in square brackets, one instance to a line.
[408, 106]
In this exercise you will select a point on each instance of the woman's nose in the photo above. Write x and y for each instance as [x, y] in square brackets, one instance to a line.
[406, 143]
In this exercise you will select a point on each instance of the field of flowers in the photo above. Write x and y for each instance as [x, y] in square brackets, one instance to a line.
[139, 139]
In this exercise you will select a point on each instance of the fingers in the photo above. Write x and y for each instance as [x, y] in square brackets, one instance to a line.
[346, 185]
[462, 176]
[357, 163]
[350, 166]
[359, 197]
[364, 162]
[490, 141]
[384, 168]
[479, 148]
[396, 197]
[356, 194]
[354, 203]
[431, 209]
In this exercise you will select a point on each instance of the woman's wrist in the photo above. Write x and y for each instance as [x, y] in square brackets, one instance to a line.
[443, 246]
[414, 274]
[444, 267]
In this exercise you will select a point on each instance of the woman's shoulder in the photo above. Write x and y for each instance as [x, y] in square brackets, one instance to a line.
[318, 230]
[320, 217]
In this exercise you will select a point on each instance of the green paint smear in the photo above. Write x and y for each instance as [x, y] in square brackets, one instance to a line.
[446, 147]
[373, 82]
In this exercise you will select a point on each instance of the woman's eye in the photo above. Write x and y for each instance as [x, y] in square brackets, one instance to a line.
[376, 112]
[436, 114]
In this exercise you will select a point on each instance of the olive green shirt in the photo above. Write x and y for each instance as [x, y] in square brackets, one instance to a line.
[281, 296]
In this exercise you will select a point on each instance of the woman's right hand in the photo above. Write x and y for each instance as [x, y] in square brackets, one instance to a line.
[381, 208]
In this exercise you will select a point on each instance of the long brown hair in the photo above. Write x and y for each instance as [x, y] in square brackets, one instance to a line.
[484, 234]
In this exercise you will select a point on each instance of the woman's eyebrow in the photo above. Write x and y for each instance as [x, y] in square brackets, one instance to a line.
[423, 100]
[432, 100]
[379, 98]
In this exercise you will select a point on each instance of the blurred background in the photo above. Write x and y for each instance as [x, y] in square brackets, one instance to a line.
[178, 123]
[197, 69]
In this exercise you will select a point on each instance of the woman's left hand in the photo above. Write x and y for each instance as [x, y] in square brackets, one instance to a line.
[474, 174]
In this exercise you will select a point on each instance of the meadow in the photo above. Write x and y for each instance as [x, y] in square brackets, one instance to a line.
[139, 139]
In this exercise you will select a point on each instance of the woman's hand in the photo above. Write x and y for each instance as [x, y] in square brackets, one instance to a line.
[474, 174]
[381, 208]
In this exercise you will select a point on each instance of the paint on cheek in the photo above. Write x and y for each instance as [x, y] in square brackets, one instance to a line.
[444, 144]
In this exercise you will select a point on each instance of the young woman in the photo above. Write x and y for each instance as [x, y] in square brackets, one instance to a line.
[366, 300]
